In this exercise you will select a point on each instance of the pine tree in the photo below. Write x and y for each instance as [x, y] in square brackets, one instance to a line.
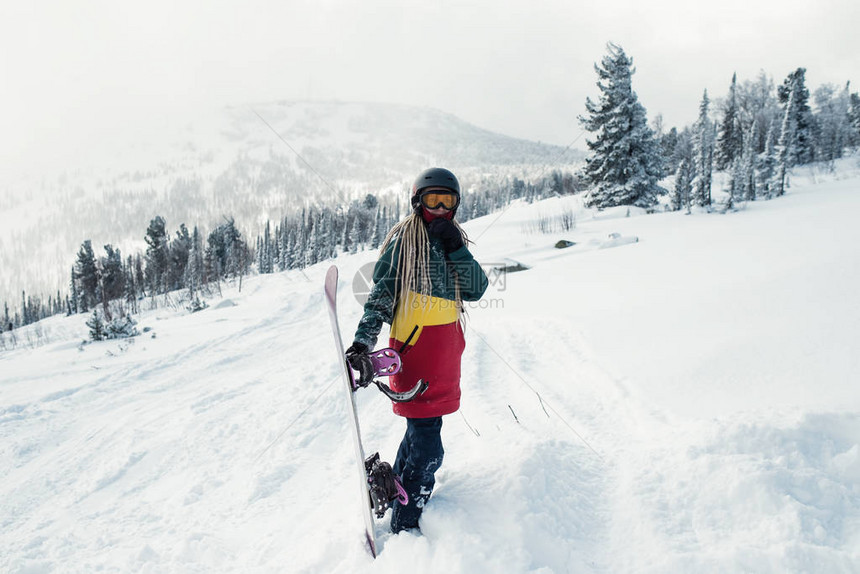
[854, 119]
[157, 255]
[286, 246]
[354, 236]
[113, 278]
[624, 164]
[741, 182]
[748, 162]
[194, 270]
[73, 302]
[130, 285]
[683, 185]
[787, 137]
[703, 145]
[97, 327]
[668, 147]
[179, 251]
[767, 165]
[259, 251]
[730, 139]
[25, 310]
[86, 273]
[267, 257]
[795, 96]
[378, 230]
[139, 275]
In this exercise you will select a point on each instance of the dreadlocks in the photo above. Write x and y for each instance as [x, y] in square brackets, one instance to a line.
[413, 261]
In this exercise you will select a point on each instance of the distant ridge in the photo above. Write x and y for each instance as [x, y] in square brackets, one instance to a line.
[232, 163]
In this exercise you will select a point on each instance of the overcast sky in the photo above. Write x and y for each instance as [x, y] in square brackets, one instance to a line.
[74, 73]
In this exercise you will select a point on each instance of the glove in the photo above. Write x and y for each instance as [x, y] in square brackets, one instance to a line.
[447, 233]
[359, 360]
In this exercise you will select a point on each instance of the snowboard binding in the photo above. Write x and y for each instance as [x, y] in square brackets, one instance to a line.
[386, 362]
[384, 485]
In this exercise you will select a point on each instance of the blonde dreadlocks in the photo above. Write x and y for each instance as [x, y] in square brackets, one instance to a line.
[413, 261]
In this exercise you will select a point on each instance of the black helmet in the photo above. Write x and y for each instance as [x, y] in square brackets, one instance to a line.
[433, 177]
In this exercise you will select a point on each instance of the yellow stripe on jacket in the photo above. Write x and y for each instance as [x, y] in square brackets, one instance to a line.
[421, 310]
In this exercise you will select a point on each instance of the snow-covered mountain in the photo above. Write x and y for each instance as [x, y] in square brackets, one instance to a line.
[670, 393]
[251, 162]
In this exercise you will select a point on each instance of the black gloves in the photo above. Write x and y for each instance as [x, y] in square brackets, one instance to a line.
[359, 360]
[447, 232]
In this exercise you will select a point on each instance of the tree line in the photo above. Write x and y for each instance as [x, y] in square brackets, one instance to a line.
[318, 233]
[114, 285]
[756, 136]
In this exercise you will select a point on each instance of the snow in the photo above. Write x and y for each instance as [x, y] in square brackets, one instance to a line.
[685, 402]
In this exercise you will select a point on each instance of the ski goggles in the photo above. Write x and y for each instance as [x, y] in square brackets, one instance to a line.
[435, 199]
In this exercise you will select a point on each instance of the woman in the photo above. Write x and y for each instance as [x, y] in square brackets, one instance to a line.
[421, 279]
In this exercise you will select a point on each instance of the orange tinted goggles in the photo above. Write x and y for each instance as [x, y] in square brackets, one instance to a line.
[435, 200]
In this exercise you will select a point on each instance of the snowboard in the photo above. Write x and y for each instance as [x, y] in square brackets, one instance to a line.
[348, 389]
[378, 487]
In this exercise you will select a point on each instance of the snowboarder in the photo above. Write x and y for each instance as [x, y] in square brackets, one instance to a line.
[424, 274]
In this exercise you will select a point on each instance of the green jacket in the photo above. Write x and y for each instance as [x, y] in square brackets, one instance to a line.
[458, 268]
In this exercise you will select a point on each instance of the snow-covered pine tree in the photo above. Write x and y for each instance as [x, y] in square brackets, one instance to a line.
[354, 236]
[283, 236]
[179, 251]
[113, 278]
[312, 246]
[274, 251]
[267, 257]
[330, 246]
[787, 137]
[25, 310]
[259, 251]
[87, 276]
[157, 255]
[794, 94]
[734, 183]
[139, 276]
[683, 189]
[854, 117]
[97, 327]
[237, 251]
[748, 162]
[668, 145]
[624, 164]
[344, 236]
[767, 164]
[832, 121]
[730, 139]
[130, 285]
[74, 299]
[378, 231]
[703, 147]
[194, 270]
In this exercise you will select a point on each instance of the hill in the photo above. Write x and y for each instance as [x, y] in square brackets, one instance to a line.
[670, 393]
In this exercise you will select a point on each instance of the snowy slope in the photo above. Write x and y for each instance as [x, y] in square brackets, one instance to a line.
[685, 403]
